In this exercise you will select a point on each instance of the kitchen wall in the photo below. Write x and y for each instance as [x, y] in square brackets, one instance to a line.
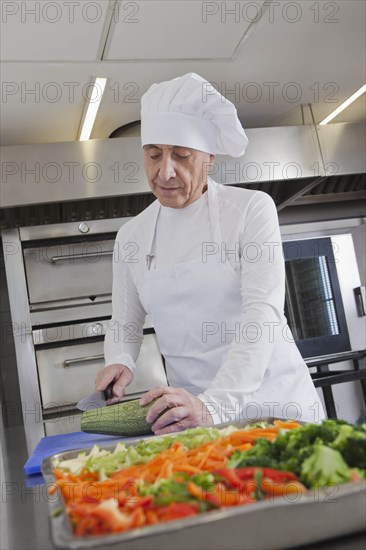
[359, 239]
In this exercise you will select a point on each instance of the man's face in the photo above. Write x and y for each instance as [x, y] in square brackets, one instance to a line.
[177, 175]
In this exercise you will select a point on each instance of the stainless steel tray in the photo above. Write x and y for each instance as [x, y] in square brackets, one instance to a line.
[284, 522]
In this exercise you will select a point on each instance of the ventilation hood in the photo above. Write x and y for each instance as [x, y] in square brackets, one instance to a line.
[297, 159]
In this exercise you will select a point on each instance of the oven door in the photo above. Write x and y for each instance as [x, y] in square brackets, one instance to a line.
[314, 305]
[72, 270]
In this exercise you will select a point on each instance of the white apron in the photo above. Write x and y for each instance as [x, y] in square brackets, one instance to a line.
[190, 298]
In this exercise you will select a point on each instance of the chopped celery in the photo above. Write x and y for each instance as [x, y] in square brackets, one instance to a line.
[106, 462]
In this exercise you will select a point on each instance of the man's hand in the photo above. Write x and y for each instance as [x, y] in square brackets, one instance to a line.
[184, 410]
[122, 377]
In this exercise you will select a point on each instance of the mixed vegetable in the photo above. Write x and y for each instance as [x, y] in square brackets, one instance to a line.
[203, 469]
[320, 454]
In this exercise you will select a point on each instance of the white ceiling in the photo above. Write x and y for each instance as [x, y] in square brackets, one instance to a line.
[268, 57]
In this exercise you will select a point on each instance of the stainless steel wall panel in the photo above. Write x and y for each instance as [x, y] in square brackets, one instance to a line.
[66, 171]
[277, 153]
[343, 145]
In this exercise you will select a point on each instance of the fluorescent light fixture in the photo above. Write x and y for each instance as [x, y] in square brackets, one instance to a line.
[344, 105]
[93, 106]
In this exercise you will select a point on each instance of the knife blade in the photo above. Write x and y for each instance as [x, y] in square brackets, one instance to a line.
[96, 400]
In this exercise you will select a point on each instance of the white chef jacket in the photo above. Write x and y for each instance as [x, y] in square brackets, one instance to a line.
[262, 373]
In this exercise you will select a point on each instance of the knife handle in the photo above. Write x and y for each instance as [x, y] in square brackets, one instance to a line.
[108, 392]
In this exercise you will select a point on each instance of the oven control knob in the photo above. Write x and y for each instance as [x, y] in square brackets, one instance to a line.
[84, 227]
[97, 328]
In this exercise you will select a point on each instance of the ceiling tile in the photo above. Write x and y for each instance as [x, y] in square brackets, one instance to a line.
[188, 29]
[57, 31]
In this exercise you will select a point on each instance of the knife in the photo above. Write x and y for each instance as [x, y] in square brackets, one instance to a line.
[96, 400]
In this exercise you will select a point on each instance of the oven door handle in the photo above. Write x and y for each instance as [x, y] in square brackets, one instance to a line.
[68, 257]
[70, 362]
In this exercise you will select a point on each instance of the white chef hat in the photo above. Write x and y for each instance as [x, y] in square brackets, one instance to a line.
[188, 111]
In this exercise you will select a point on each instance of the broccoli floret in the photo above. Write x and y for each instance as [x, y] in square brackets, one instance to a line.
[329, 429]
[294, 462]
[261, 454]
[294, 446]
[325, 466]
[361, 427]
[262, 447]
[291, 446]
[351, 443]
[260, 461]
[289, 442]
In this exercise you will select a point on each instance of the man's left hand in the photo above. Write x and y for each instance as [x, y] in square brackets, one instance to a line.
[184, 410]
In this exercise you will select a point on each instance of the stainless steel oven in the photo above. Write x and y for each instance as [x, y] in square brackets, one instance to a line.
[60, 279]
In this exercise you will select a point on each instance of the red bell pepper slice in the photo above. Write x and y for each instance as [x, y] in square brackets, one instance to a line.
[230, 476]
[274, 475]
[176, 510]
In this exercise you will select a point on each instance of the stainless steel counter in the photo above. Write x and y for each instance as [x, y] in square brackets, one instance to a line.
[24, 510]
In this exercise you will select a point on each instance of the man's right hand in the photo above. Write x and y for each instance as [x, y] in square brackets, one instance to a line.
[122, 377]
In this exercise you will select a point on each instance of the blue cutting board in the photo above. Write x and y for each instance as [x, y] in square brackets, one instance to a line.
[54, 444]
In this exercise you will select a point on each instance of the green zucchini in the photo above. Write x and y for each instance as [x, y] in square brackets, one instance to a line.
[127, 418]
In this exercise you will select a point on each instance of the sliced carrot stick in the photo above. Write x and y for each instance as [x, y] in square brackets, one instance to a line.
[282, 488]
[195, 490]
[287, 424]
[51, 490]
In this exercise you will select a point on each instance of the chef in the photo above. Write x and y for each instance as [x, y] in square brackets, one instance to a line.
[205, 262]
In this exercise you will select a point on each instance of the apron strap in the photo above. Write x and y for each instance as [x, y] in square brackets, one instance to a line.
[213, 206]
[150, 249]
